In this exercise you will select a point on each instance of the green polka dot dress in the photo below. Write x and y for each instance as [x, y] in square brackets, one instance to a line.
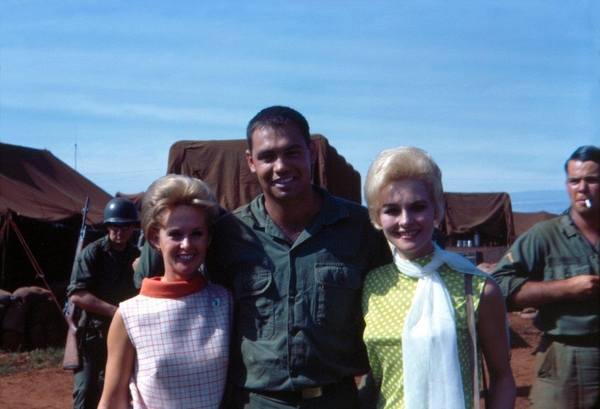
[387, 299]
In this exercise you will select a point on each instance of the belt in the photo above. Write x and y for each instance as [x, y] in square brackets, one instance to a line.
[308, 393]
[591, 340]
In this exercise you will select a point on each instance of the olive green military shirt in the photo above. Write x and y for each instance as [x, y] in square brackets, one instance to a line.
[299, 320]
[549, 251]
[106, 273]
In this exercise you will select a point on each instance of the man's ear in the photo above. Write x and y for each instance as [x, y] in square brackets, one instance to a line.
[250, 161]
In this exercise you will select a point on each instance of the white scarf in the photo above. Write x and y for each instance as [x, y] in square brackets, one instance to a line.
[432, 377]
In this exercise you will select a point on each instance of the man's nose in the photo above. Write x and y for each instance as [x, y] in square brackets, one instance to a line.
[280, 164]
[582, 186]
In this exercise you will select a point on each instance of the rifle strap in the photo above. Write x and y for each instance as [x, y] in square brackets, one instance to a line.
[472, 339]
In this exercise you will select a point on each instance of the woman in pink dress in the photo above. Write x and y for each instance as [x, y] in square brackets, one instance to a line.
[168, 347]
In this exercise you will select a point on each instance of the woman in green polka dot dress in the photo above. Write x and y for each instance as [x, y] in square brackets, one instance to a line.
[416, 309]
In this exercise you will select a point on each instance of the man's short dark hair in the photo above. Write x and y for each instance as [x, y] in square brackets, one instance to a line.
[584, 154]
[275, 117]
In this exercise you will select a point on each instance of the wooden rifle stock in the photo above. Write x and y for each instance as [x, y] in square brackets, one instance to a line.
[71, 359]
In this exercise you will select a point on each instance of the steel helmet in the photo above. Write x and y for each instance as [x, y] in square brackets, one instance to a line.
[120, 210]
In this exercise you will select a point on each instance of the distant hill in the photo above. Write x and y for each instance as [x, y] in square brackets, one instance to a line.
[552, 201]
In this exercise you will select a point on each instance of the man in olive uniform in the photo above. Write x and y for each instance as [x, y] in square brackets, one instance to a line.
[295, 258]
[102, 277]
[555, 267]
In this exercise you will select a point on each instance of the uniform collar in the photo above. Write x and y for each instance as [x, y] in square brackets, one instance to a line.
[333, 210]
[105, 243]
[568, 226]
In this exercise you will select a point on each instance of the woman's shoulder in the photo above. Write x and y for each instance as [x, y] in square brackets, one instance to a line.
[217, 290]
[136, 303]
[384, 278]
[461, 265]
[385, 269]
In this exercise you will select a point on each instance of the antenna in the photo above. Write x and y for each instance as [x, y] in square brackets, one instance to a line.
[76, 156]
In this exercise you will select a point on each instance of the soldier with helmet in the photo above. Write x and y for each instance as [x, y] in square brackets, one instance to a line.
[102, 277]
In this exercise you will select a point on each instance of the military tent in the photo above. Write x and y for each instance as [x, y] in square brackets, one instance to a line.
[525, 221]
[136, 198]
[41, 202]
[488, 214]
[222, 165]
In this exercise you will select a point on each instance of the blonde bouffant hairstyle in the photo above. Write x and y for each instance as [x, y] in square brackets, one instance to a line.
[175, 190]
[401, 164]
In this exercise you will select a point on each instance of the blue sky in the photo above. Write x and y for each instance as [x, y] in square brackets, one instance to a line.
[499, 92]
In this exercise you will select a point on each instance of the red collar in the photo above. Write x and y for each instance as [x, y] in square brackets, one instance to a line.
[156, 288]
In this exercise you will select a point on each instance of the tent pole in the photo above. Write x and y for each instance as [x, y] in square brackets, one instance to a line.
[4, 236]
[36, 266]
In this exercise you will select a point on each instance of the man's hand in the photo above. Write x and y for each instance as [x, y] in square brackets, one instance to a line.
[89, 302]
[583, 286]
[537, 293]
[135, 263]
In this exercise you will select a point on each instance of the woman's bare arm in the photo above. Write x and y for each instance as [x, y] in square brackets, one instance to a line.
[493, 340]
[119, 367]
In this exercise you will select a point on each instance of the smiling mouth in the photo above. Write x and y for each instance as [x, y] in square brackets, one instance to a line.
[408, 234]
[285, 181]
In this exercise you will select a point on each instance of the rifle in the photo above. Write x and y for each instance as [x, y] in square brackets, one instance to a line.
[71, 359]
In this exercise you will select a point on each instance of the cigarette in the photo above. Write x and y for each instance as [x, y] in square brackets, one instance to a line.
[588, 203]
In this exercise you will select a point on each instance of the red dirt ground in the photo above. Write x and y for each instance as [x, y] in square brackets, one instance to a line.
[51, 388]
[524, 340]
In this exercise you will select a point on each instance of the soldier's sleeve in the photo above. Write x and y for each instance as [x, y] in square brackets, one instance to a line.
[522, 262]
[81, 275]
[216, 254]
[381, 252]
[151, 264]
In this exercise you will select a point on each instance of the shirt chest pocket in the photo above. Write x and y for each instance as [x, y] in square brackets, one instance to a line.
[337, 300]
[255, 308]
[561, 268]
